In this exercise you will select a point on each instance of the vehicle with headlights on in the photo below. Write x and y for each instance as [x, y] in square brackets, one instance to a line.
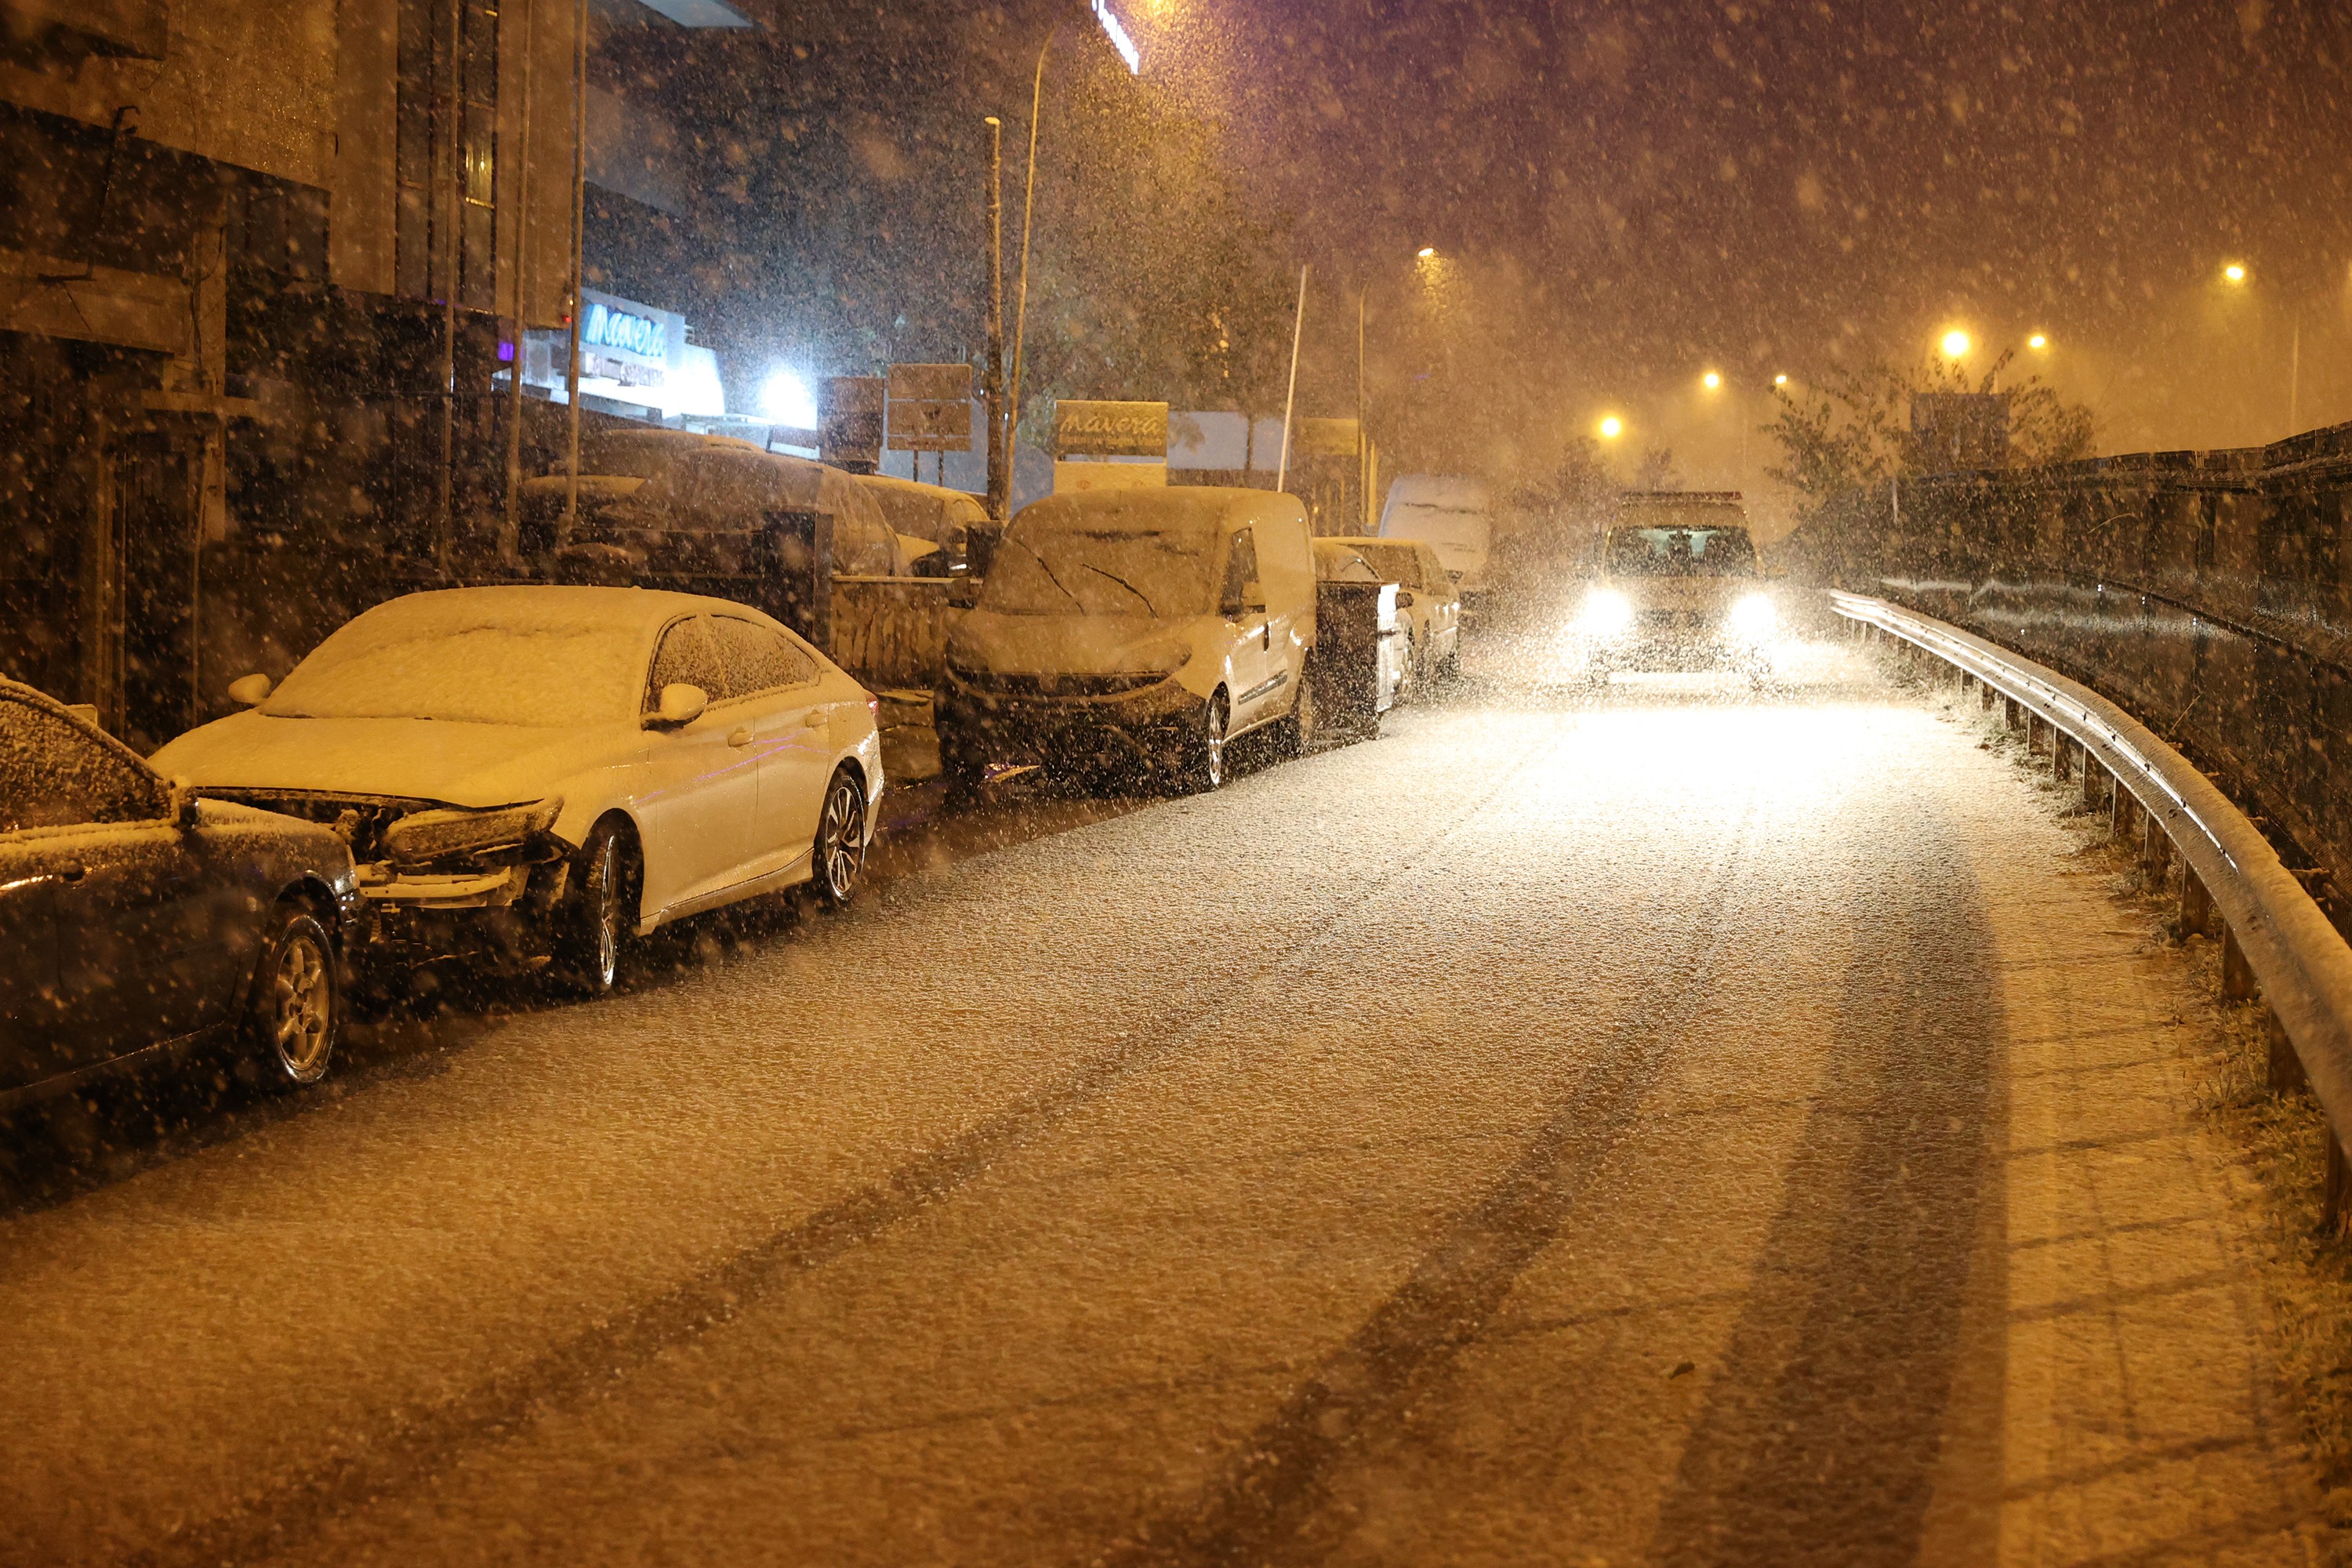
[1676, 588]
[534, 775]
[1135, 632]
[138, 921]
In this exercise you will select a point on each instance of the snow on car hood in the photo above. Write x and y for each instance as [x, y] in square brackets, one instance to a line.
[1069, 645]
[428, 759]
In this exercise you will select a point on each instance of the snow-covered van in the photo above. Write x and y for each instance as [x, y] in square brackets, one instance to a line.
[1452, 514]
[1135, 629]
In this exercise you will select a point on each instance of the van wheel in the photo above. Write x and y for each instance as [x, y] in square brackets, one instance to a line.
[1301, 727]
[963, 767]
[1198, 764]
[600, 912]
[837, 858]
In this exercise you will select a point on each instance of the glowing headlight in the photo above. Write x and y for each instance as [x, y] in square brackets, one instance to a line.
[1754, 618]
[1606, 614]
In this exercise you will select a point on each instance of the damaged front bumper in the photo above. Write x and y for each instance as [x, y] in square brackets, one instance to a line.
[1016, 726]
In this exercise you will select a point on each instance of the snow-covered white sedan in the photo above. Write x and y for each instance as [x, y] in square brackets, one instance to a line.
[530, 773]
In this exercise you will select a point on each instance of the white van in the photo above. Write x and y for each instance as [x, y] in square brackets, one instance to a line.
[1452, 514]
[1135, 631]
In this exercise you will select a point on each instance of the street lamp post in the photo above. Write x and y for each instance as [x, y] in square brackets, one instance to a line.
[1028, 217]
[1000, 462]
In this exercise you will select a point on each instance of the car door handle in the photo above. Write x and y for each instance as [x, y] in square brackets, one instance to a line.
[817, 718]
[739, 736]
[70, 873]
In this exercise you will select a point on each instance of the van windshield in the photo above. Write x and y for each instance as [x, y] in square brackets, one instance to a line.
[1681, 552]
[1164, 574]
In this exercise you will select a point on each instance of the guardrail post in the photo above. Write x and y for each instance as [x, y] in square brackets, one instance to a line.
[2155, 850]
[2012, 714]
[2122, 811]
[1985, 695]
[2237, 975]
[2197, 910]
[2286, 1074]
[2337, 1197]
[2061, 757]
[2096, 780]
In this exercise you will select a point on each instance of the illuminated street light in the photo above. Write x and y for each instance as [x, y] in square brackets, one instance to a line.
[1956, 344]
[1711, 380]
[2038, 343]
[1779, 381]
[1119, 38]
[1611, 426]
[1426, 251]
[2235, 272]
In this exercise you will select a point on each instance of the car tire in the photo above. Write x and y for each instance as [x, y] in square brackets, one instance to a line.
[837, 856]
[294, 1013]
[1197, 764]
[600, 911]
[1302, 726]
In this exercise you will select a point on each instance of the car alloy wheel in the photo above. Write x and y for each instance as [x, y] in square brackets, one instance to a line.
[1300, 727]
[838, 857]
[1199, 763]
[296, 1006]
[597, 919]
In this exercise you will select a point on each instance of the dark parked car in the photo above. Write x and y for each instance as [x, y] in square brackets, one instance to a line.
[136, 919]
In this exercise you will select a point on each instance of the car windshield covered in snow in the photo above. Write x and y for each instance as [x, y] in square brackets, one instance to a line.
[1674, 549]
[455, 656]
[1077, 570]
[1396, 563]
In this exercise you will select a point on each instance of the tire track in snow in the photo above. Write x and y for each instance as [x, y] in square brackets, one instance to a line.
[1270, 1506]
[405, 1450]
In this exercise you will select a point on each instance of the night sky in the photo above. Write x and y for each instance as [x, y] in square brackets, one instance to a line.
[1623, 194]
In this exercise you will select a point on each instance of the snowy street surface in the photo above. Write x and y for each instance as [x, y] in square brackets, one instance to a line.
[1683, 1125]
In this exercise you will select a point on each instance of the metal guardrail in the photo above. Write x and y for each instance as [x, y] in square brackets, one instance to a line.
[2273, 927]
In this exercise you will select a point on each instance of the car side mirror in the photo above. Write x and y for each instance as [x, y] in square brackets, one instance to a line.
[250, 690]
[681, 703]
[1404, 598]
[186, 814]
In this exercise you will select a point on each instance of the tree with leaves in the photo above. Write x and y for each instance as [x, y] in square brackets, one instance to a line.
[1854, 430]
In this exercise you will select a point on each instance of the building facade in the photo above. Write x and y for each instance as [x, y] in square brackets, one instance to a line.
[265, 267]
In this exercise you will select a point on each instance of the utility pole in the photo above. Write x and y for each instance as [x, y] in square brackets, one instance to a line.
[1028, 215]
[2294, 376]
[1363, 450]
[453, 205]
[579, 260]
[511, 536]
[999, 459]
[1298, 326]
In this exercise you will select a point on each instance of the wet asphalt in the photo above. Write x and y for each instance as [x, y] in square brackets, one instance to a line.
[1572, 1128]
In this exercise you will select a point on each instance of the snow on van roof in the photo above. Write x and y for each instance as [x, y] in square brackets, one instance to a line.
[1177, 508]
[1448, 492]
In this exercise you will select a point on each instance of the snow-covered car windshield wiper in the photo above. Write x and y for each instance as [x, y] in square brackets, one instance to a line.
[1149, 608]
[1046, 567]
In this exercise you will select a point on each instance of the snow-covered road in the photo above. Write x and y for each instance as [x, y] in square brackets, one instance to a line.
[1685, 1125]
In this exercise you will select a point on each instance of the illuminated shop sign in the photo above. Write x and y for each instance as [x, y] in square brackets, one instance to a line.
[606, 326]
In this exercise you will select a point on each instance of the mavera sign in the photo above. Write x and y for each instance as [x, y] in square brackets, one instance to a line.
[1110, 429]
[608, 326]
